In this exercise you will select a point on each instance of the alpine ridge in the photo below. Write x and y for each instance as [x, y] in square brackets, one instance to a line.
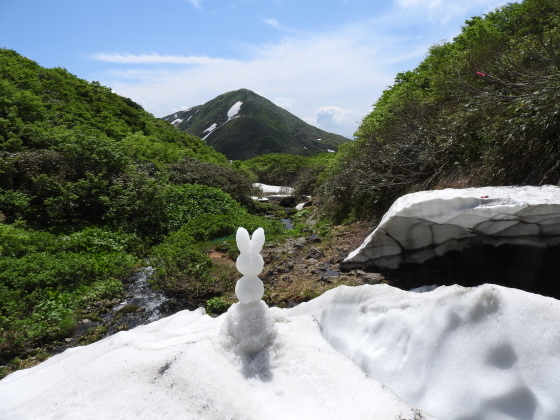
[243, 125]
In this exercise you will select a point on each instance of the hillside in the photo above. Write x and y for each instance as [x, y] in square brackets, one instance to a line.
[243, 125]
[482, 109]
[91, 186]
[42, 108]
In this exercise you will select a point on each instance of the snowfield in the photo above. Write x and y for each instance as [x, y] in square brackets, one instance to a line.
[367, 352]
[178, 367]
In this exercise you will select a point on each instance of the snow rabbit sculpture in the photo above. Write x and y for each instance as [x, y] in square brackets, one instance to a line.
[249, 288]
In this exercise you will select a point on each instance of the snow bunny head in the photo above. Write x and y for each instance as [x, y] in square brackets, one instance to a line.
[250, 261]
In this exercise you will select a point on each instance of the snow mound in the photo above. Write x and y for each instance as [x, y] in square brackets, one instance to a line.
[426, 224]
[178, 367]
[484, 353]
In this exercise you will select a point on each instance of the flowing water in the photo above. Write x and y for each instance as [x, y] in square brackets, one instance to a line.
[144, 304]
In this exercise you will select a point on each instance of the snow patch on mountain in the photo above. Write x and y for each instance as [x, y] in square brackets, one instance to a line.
[234, 110]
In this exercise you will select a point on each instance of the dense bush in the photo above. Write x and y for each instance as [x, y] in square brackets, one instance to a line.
[303, 173]
[209, 227]
[228, 179]
[41, 108]
[181, 268]
[276, 168]
[482, 109]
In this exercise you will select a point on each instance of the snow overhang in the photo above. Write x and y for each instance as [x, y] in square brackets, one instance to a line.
[426, 224]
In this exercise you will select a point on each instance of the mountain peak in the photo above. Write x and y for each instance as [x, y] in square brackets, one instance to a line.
[242, 124]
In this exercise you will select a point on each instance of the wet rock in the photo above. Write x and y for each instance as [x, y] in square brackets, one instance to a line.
[289, 201]
[313, 239]
[373, 278]
[314, 253]
[299, 243]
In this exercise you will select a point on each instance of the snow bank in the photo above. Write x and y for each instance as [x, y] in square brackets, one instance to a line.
[459, 353]
[426, 224]
[177, 367]
[273, 189]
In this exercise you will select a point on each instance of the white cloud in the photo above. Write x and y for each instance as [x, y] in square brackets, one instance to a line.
[282, 102]
[155, 58]
[333, 115]
[342, 68]
[195, 3]
[335, 119]
[272, 22]
[277, 25]
[319, 77]
[443, 11]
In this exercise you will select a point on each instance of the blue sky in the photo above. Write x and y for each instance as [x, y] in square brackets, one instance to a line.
[326, 61]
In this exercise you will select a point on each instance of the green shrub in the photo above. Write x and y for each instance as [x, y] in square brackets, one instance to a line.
[213, 226]
[184, 203]
[181, 268]
[217, 305]
[95, 239]
[276, 168]
[229, 179]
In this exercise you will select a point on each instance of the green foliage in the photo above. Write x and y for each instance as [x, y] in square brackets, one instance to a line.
[479, 110]
[276, 168]
[217, 305]
[150, 149]
[184, 203]
[227, 178]
[180, 263]
[181, 268]
[209, 227]
[45, 279]
[39, 107]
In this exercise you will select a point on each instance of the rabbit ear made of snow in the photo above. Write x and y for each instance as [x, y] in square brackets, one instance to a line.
[257, 241]
[243, 240]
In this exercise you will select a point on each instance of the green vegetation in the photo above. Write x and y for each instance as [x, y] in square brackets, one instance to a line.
[45, 280]
[217, 305]
[181, 263]
[91, 185]
[482, 109]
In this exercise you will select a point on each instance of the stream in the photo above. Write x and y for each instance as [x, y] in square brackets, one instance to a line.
[141, 305]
